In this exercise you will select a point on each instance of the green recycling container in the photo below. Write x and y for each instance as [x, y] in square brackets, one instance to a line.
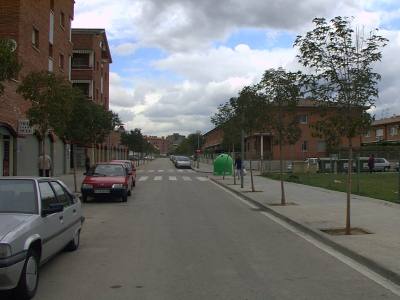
[223, 165]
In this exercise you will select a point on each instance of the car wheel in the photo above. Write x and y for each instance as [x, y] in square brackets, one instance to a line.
[129, 192]
[134, 183]
[75, 242]
[29, 280]
[385, 169]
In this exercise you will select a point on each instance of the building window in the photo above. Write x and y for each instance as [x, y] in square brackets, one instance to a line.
[51, 29]
[393, 130]
[379, 132]
[84, 87]
[50, 64]
[62, 20]
[35, 38]
[321, 146]
[50, 50]
[304, 146]
[303, 119]
[61, 63]
[81, 61]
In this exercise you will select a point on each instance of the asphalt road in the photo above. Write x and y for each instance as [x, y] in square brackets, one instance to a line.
[180, 236]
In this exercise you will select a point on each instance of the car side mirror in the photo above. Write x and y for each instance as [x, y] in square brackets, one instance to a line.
[53, 208]
[85, 173]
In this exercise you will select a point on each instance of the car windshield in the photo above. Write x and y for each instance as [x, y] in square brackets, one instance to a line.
[18, 196]
[109, 170]
[183, 158]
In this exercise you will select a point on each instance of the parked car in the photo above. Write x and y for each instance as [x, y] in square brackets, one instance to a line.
[381, 164]
[131, 169]
[38, 218]
[182, 162]
[111, 179]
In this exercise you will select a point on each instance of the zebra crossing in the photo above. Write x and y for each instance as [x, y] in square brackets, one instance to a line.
[144, 178]
[169, 171]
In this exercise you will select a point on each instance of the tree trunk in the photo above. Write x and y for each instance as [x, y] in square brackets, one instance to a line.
[349, 172]
[74, 167]
[251, 178]
[234, 167]
[283, 198]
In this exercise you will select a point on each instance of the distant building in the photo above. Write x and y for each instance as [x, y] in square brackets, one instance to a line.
[262, 144]
[160, 143]
[383, 130]
[40, 32]
[174, 141]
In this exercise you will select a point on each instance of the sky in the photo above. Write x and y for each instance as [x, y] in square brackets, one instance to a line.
[175, 61]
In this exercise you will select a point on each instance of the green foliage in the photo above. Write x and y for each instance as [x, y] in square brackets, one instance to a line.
[9, 66]
[134, 140]
[341, 61]
[58, 106]
[190, 144]
[280, 91]
[49, 95]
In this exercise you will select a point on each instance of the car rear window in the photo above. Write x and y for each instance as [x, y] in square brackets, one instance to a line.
[109, 170]
[18, 196]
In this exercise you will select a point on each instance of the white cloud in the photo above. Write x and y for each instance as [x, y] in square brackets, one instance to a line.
[124, 49]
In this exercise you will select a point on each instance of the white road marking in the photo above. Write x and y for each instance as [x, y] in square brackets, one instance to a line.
[158, 178]
[180, 171]
[202, 178]
[172, 178]
[150, 171]
[160, 171]
[143, 178]
[186, 178]
[387, 284]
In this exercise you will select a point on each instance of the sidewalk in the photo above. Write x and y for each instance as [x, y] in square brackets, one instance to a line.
[68, 179]
[317, 208]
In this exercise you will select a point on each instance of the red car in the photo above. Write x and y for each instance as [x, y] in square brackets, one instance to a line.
[110, 179]
[131, 168]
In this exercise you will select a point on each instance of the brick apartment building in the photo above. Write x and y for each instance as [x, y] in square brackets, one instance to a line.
[90, 68]
[174, 141]
[161, 143]
[384, 130]
[40, 31]
[261, 144]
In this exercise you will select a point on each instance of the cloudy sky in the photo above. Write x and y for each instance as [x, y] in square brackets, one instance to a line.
[175, 61]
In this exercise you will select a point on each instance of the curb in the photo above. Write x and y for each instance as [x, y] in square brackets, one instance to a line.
[367, 262]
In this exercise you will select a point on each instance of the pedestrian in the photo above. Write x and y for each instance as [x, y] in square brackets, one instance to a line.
[44, 165]
[238, 164]
[371, 163]
[87, 163]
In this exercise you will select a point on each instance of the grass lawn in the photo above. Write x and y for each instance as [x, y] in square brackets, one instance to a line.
[376, 185]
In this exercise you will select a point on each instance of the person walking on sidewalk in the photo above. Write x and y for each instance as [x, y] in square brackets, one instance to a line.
[238, 165]
[44, 165]
[87, 163]
[371, 163]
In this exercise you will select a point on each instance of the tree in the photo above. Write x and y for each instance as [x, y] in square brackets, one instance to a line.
[49, 96]
[226, 119]
[9, 66]
[341, 60]
[134, 140]
[280, 92]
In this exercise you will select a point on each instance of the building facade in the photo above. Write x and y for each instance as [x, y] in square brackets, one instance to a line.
[41, 33]
[263, 146]
[384, 130]
[160, 143]
[174, 141]
[90, 69]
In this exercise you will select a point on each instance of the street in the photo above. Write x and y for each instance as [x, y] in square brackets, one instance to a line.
[180, 236]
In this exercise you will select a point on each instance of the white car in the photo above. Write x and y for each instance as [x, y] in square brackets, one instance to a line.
[38, 218]
[182, 162]
[381, 164]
